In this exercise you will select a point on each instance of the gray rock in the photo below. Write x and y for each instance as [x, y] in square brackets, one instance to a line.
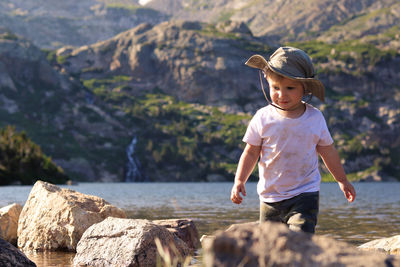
[125, 242]
[390, 245]
[55, 218]
[9, 216]
[10, 256]
[184, 229]
[273, 244]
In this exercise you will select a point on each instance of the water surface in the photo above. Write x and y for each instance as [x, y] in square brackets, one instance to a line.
[374, 214]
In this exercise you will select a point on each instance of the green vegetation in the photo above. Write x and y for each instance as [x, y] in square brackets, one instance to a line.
[350, 52]
[131, 9]
[225, 15]
[193, 138]
[8, 36]
[22, 161]
[211, 30]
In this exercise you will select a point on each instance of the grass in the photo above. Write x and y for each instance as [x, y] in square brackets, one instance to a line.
[8, 36]
[348, 51]
[132, 9]
[328, 178]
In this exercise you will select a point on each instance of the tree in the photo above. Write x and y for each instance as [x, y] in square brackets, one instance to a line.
[22, 161]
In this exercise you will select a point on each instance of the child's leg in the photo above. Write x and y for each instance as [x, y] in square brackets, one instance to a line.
[270, 212]
[303, 213]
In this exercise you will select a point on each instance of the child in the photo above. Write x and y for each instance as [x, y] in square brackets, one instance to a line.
[287, 136]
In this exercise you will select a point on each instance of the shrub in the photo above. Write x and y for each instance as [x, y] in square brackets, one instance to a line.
[22, 161]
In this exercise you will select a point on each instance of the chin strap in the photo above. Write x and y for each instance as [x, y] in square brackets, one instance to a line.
[269, 101]
[265, 95]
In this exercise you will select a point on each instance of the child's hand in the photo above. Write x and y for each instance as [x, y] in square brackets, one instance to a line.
[348, 190]
[235, 193]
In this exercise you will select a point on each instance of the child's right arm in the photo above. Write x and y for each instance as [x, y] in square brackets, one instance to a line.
[246, 164]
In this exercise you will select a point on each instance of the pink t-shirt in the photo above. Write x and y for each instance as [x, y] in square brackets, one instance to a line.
[288, 164]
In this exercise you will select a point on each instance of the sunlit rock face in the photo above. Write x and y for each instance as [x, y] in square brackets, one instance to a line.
[390, 245]
[126, 242]
[273, 244]
[9, 216]
[55, 218]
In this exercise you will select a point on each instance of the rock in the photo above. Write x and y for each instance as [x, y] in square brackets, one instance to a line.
[233, 27]
[273, 244]
[55, 219]
[10, 256]
[9, 216]
[234, 226]
[185, 229]
[390, 245]
[124, 242]
[377, 176]
[206, 239]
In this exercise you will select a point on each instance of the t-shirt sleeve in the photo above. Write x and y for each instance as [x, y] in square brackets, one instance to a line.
[252, 135]
[325, 136]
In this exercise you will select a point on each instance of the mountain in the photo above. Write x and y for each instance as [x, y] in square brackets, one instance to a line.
[98, 130]
[170, 101]
[202, 63]
[292, 20]
[195, 62]
[52, 24]
[57, 113]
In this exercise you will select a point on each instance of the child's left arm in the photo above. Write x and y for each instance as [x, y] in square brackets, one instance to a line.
[331, 158]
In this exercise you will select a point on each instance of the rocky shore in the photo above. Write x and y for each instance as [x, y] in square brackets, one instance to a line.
[55, 219]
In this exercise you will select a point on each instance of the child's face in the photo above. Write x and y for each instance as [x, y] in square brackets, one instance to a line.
[285, 93]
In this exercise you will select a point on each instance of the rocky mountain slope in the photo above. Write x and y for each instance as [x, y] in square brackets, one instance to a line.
[52, 24]
[202, 63]
[292, 20]
[170, 101]
[192, 61]
[58, 114]
[97, 131]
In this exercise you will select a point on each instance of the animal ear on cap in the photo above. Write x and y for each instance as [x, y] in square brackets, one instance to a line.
[257, 62]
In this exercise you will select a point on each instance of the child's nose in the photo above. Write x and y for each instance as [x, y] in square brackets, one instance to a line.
[282, 93]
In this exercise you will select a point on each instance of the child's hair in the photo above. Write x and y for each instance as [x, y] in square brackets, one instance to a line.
[269, 73]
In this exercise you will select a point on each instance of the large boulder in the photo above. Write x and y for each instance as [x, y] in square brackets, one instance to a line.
[10, 256]
[184, 229]
[273, 244]
[390, 245]
[125, 242]
[9, 216]
[55, 218]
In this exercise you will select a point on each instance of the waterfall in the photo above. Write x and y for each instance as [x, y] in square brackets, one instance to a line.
[133, 173]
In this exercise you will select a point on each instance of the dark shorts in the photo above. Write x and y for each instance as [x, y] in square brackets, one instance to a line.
[299, 212]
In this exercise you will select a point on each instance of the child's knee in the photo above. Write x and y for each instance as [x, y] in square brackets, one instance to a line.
[301, 222]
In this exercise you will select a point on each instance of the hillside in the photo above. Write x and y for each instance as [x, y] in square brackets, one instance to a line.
[362, 80]
[52, 24]
[192, 61]
[98, 132]
[57, 113]
[292, 20]
[170, 101]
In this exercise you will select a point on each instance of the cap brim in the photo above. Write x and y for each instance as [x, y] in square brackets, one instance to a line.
[316, 88]
[257, 61]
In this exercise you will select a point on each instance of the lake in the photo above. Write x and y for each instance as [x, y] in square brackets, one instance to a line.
[374, 214]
